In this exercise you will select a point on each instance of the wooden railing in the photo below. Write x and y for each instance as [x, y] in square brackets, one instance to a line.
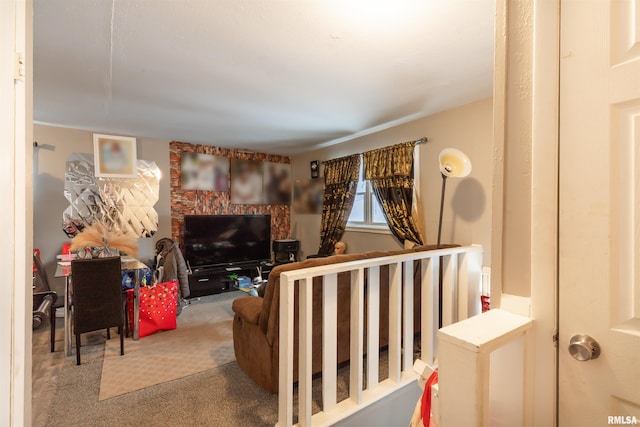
[461, 285]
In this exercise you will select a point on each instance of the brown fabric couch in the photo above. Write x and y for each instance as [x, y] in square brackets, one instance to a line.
[256, 325]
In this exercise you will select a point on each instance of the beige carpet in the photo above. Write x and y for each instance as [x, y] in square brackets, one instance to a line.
[202, 340]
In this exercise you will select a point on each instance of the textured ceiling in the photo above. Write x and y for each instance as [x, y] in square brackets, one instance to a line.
[267, 75]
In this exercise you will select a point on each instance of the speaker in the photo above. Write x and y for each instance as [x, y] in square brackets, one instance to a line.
[286, 245]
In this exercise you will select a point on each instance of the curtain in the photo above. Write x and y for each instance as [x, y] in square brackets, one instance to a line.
[340, 182]
[390, 173]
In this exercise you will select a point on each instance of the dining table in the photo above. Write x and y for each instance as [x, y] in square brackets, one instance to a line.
[63, 269]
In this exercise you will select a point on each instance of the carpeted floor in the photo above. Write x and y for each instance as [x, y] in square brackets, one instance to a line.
[202, 340]
[70, 395]
[209, 398]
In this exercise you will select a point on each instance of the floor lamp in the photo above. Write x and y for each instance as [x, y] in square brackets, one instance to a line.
[453, 164]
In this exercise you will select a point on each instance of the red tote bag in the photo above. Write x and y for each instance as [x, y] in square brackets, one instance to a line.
[158, 305]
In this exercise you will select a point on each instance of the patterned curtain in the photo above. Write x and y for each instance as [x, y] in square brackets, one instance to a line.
[390, 172]
[340, 182]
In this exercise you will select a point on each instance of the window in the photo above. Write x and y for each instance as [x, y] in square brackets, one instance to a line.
[366, 212]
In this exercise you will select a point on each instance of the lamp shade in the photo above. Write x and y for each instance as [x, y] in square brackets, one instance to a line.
[454, 163]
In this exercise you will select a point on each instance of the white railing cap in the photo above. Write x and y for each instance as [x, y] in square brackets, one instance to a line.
[373, 262]
[486, 331]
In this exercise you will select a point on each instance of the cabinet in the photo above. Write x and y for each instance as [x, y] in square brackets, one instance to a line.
[215, 280]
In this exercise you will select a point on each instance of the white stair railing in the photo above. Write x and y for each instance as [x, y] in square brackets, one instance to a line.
[461, 285]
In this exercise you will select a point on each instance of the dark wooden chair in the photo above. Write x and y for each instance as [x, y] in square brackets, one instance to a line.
[97, 297]
[44, 300]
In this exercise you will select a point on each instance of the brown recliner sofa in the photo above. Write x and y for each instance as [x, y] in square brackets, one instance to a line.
[256, 325]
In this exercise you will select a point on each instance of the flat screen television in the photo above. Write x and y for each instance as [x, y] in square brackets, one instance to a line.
[226, 240]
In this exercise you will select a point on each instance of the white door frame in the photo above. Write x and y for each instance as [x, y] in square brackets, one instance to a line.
[544, 209]
[16, 217]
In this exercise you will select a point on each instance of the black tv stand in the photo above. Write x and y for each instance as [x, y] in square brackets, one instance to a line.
[209, 280]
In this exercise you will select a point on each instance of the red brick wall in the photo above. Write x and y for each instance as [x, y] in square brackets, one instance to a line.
[198, 202]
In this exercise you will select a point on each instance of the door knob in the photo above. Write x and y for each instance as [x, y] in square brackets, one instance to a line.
[583, 348]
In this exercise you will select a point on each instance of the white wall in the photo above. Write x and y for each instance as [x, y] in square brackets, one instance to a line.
[395, 410]
[525, 207]
[467, 211]
[54, 147]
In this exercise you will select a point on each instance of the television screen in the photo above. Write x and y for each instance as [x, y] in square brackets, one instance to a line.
[216, 240]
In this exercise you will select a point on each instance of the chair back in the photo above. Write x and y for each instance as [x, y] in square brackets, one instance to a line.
[96, 293]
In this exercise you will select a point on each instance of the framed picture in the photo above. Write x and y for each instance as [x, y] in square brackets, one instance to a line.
[308, 196]
[115, 156]
[246, 182]
[277, 183]
[204, 172]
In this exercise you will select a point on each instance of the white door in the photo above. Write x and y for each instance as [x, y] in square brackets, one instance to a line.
[599, 200]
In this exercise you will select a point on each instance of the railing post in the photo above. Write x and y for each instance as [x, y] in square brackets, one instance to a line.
[285, 361]
[305, 360]
[407, 315]
[329, 340]
[356, 363]
[394, 321]
[429, 307]
[373, 326]
[449, 289]
[464, 354]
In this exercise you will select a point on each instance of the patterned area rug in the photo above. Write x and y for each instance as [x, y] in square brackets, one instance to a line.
[202, 340]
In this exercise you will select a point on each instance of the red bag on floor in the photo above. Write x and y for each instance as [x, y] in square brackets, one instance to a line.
[158, 304]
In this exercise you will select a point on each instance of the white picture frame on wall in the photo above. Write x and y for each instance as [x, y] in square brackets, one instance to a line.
[115, 156]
